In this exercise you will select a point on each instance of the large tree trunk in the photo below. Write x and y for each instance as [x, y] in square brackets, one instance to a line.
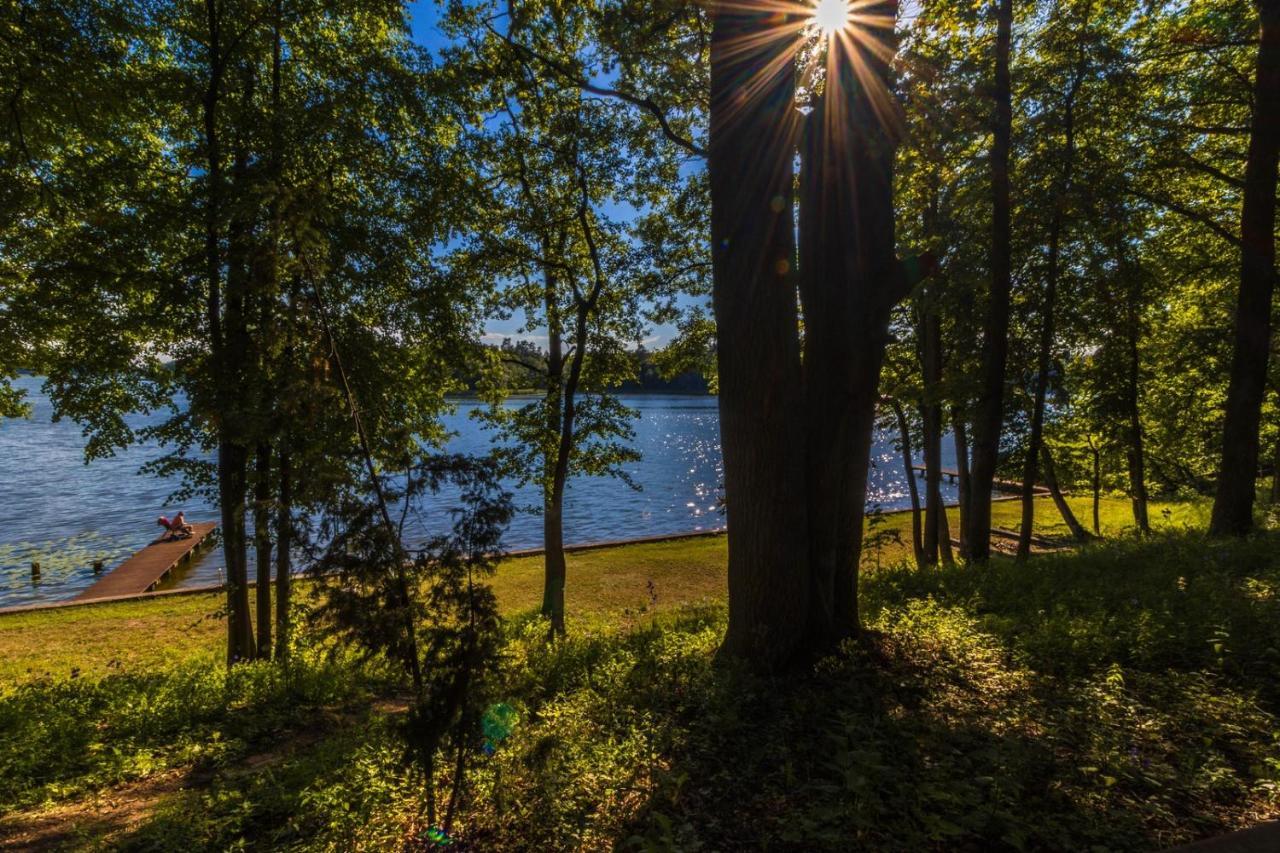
[989, 413]
[752, 132]
[1045, 351]
[262, 545]
[1237, 475]
[963, 493]
[849, 281]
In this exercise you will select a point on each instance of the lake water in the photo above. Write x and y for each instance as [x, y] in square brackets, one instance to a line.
[65, 514]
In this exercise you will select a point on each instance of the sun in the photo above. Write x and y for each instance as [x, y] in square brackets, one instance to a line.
[831, 16]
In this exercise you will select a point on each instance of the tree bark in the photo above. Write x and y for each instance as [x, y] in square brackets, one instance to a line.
[262, 545]
[1237, 475]
[989, 412]
[752, 134]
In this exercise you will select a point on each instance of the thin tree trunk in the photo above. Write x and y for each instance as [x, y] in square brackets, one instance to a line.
[1275, 474]
[904, 440]
[1137, 479]
[262, 545]
[1064, 509]
[1097, 486]
[230, 462]
[404, 590]
[963, 492]
[931, 425]
[989, 412]
[752, 230]
[1133, 430]
[232, 483]
[944, 536]
[553, 561]
[1237, 475]
[234, 421]
[284, 542]
[554, 566]
[1047, 318]
[284, 508]
[937, 536]
[553, 594]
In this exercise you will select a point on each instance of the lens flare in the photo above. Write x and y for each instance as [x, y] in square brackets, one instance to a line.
[831, 16]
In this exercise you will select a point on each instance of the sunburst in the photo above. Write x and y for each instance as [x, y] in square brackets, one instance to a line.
[831, 16]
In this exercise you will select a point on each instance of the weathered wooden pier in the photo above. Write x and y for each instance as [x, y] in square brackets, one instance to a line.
[145, 569]
[1006, 486]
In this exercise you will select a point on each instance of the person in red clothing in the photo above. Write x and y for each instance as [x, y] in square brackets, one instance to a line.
[177, 529]
[180, 525]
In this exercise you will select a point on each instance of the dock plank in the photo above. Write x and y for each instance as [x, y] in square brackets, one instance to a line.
[141, 572]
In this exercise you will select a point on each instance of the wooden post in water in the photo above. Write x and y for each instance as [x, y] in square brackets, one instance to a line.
[97, 567]
[35, 572]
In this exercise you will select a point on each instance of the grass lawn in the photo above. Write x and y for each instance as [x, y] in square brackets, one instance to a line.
[93, 640]
[1122, 697]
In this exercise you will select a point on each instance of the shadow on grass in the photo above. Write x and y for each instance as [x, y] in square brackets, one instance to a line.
[60, 738]
[1116, 699]
[332, 780]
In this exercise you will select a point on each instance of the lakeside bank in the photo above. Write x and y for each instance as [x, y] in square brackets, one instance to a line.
[96, 638]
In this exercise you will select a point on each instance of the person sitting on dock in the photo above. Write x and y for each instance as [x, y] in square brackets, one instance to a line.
[178, 528]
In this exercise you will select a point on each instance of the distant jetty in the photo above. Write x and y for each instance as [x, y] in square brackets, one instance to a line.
[147, 568]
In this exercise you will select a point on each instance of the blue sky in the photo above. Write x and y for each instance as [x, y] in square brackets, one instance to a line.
[423, 15]
[422, 23]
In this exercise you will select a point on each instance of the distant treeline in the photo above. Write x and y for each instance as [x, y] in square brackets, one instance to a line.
[523, 365]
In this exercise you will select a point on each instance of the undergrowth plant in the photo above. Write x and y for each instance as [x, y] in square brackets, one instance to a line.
[425, 608]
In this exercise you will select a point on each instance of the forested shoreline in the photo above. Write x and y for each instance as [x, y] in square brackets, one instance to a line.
[1043, 230]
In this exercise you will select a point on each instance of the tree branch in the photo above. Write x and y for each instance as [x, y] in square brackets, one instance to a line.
[1188, 213]
[646, 104]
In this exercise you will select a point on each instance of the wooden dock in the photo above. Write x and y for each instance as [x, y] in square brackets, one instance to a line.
[141, 572]
[999, 485]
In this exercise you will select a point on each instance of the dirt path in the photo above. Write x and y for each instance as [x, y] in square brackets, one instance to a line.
[98, 818]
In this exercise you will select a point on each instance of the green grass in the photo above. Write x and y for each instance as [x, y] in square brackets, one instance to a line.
[1119, 698]
[137, 636]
